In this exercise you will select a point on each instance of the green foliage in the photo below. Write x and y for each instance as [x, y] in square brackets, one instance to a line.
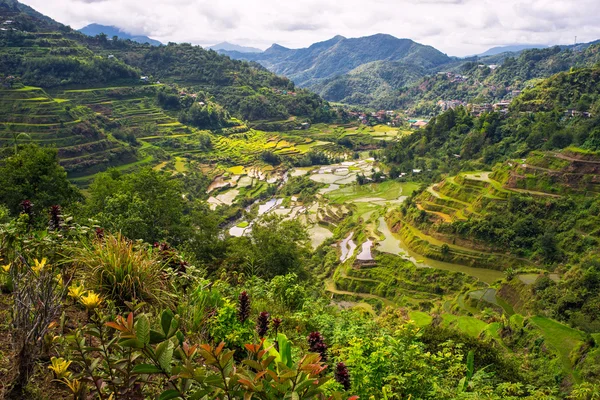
[143, 205]
[34, 174]
[302, 186]
[123, 271]
[141, 361]
[286, 291]
[207, 116]
[274, 247]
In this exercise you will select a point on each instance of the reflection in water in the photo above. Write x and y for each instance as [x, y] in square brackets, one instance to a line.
[393, 245]
[365, 254]
[348, 246]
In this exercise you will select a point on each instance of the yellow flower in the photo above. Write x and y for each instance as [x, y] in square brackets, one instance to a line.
[91, 300]
[6, 267]
[76, 291]
[74, 385]
[39, 265]
[59, 367]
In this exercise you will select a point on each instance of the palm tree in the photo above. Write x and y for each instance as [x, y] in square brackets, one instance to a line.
[16, 136]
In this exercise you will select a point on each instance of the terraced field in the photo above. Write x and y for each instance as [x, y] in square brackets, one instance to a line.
[32, 115]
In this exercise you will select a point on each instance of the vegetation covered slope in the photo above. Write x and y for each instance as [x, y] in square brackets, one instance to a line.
[84, 94]
[474, 82]
[340, 55]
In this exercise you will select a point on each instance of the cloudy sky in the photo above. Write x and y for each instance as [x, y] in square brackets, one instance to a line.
[456, 27]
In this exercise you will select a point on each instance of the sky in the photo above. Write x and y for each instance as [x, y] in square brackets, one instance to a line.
[456, 27]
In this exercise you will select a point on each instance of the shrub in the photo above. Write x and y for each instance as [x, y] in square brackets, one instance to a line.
[122, 271]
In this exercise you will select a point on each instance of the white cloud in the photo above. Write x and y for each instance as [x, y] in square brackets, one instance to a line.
[456, 27]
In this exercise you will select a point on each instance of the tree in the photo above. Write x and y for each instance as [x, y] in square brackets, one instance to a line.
[34, 174]
[275, 247]
[143, 205]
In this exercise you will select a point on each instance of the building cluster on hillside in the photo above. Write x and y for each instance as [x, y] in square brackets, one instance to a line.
[446, 105]
[574, 113]
[381, 116]
[454, 78]
[8, 26]
[417, 123]
[284, 92]
[7, 82]
[478, 109]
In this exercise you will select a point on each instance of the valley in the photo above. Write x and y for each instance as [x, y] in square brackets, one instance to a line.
[182, 223]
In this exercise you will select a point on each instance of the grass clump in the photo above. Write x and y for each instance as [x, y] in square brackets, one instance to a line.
[123, 271]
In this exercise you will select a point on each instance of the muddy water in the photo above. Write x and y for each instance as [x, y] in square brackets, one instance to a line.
[318, 235]
[393, 245]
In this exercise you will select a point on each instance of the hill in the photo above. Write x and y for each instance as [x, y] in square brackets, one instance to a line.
[511, 49]
[226, 46]
[112, 31]
[25, 17]
[339, 55]
[99, 101]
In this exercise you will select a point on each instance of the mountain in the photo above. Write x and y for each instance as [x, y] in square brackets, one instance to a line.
[371, 84]
[226, 46]
[337, 56]
[111, 111]
[24, 16]
[110, 31]
[511, 49]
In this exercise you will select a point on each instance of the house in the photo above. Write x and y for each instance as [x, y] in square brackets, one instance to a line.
[417, 171]
[390, 113]
[8, 22]
[305, 125]
[418, 125]
[493, 66]
[111, 56]
[478, 109]
[144, 78]
[501, 106]
[201, 103]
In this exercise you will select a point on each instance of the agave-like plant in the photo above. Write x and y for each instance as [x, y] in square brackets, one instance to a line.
[120, 270]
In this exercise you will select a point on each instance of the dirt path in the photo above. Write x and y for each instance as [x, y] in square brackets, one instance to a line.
[565, 157]
[330, 287]
[445, 217]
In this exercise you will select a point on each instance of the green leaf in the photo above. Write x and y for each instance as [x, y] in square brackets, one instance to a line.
[169, 394]
[470, 364]
[165, 321]
[164, 354]
[136, 344]
[174, 326]
[146, 369]
[156, 337]
[142, 329]
[285, 350]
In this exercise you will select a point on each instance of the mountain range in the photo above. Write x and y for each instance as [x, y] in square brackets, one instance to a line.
[337, 56]
[110, 31]
[511, 49]
[382, 71]
[226, 46]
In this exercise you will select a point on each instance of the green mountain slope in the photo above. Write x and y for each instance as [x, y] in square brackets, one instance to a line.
[98, 100]
[111, 31]
[340, 55]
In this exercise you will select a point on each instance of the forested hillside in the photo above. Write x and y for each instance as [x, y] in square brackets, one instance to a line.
[95, 98]
[310, 66]
[175, 224]
[381, 72]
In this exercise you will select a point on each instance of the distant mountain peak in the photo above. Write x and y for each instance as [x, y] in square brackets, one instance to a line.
[227, 46]
[511, 49]
[110, 31]
[276, 47]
